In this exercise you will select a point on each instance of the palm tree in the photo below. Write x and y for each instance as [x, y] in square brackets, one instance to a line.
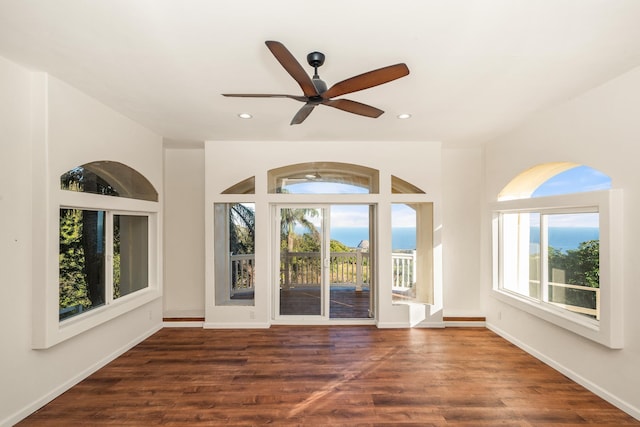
[242, 229]
[289, 218]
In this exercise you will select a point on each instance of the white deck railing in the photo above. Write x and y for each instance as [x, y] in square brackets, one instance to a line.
[242, 270]
[403, 270]
[595, 312]
[298, 269]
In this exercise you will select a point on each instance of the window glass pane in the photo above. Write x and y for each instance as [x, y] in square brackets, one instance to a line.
[403, 256]
[412, 252]
[130, 254]
[573, 262]
[521, 253]
[110, 179]
[575, 180]
[81, 265]
[323, 178]
[234, 260]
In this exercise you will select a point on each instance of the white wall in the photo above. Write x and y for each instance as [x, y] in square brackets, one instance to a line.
[462, 188]
[600, 129]
[184, 230]
[85, 129]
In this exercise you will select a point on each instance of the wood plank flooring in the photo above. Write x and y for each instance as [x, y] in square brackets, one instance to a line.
[321, 376]
[345, 303]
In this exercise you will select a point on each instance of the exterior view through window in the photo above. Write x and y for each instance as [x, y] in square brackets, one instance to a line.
[234, 233]
[553, 258]
[551, 254]
[325, 267]
[82, 261]
[323, 246]
[104, 254]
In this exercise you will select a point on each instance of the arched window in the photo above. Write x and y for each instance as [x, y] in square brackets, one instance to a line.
[323, 178]
[553, 243]
[110, 179]
[400, 186]
[246, 186]
[107, 248]
[551, 179]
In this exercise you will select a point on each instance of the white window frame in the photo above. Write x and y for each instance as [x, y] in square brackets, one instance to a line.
[48, 330]
[608, 331]
[221, 263]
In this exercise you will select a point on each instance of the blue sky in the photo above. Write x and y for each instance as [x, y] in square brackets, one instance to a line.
[319, 187]
[578, 179]
[352, 215]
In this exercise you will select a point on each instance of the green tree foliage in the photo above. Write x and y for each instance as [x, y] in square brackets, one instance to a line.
[73, 282]
[580, 267]
[289, 218]
[338, 246]
[116, 259]
[242, 229]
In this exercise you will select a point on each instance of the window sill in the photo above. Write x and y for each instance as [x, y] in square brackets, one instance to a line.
[598, 331]
[59, 331]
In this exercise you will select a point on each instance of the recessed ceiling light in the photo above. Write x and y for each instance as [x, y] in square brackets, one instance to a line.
[245, 115]
[404, 116]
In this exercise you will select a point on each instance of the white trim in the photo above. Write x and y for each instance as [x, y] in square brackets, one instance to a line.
[236, 325]
[608, 331]
[464, 324]
[592, 387]
[393, 325]
[183, 324]
[430, 325]
[48, 330]
[34, 406]
[318, 321]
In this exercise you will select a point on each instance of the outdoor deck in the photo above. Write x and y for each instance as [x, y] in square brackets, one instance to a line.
[346, 303]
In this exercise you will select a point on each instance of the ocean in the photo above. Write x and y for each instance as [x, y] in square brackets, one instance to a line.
[566, 238]
[401, 238]
[561, 238]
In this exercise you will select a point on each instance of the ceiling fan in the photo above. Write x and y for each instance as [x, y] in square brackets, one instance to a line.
[315, 90]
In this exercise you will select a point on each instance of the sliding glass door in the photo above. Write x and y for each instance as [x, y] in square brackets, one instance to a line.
[323, 272]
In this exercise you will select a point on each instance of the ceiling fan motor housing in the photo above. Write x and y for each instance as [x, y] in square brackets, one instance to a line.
[315, 59]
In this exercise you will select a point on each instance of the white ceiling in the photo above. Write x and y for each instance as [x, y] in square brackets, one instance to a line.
[478, 67]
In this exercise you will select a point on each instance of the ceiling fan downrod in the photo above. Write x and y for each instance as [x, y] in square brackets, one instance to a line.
[316, 59]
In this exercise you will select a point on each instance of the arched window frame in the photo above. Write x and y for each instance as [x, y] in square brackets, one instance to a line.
[608, 203]
[48, 329]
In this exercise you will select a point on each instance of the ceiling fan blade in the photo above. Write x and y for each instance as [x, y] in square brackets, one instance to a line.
[263, 95]
[354, 107]
[302, 114]
[367, 80]
[293, 67]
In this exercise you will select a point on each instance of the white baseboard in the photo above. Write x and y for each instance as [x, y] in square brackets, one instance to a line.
[253, 325]
[432, 325]
[183, 324]
[34, 406]
[594, 388]
[393, 325]
[464, 324]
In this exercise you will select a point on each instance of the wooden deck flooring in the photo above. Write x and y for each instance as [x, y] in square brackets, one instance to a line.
[345, 303]
[320, 376]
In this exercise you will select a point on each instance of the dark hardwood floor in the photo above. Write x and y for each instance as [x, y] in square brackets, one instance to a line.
[338, 375]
